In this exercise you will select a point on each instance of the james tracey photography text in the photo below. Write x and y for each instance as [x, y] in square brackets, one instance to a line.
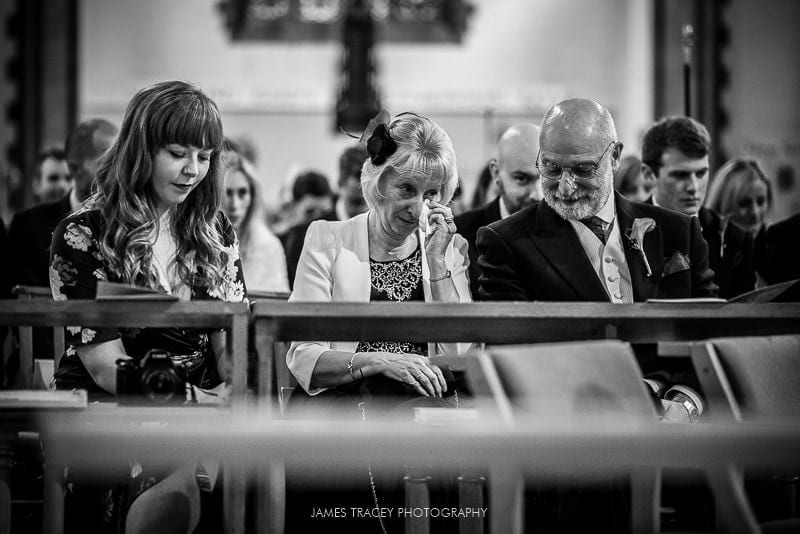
[355, 512]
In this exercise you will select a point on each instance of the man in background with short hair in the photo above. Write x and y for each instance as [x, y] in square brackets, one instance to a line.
[312, 197]
[675, 160]
[52, 180]
[32, 229]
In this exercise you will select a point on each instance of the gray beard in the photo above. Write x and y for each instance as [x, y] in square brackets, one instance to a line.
[583, 209]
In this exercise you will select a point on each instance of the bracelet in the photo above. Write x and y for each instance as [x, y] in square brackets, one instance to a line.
[446, 275]
[350, 368]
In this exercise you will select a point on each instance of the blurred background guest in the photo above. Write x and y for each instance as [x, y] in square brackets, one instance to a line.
[485, 188]
[513, 172]
[52, 180]
[350, 200]
[261, 251]
[153, 222]
[630, 182]
[741, 193]
[675, 154]
[312, 199]
[32, 229]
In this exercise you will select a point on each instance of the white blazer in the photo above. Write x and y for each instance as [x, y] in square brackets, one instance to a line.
[334, 267]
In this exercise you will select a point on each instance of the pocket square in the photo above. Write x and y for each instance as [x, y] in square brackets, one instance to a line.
[676, 263]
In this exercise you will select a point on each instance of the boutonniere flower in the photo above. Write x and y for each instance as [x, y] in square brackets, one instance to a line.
[635, 237]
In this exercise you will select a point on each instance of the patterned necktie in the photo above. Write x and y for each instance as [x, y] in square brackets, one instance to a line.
[596, 224]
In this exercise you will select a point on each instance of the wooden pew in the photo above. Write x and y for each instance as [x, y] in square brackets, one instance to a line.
[504, 323]
[511, 323]
[137, 313]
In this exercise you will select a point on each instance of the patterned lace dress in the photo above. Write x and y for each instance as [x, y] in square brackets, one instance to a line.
[396, 281]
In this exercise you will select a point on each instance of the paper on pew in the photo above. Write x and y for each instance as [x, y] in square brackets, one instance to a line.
[115, 291]
[31, 398]
[699, 300]
[444, 416]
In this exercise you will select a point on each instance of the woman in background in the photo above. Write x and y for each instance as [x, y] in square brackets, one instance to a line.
[262, 254]
[154, 221]
[740, 192]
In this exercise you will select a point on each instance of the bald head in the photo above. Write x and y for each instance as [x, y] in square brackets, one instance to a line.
[577, 126]
[514, 168]
[85, 144]
[579, 155]
[519, 141]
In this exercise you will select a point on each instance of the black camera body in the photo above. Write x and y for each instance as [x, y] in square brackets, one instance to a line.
[153, 380]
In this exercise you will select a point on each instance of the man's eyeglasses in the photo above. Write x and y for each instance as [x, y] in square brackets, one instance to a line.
[580, 172]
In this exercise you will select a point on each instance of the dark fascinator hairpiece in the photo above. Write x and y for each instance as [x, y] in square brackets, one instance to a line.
[380, 144]
[377, 139]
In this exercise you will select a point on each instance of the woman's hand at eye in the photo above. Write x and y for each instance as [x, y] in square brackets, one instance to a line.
[416, 371]
[441, 230]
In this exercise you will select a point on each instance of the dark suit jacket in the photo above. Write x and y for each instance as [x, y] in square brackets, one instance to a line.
[293, 241]
[5, 274]
[731, 256]
[782, 256]
[29, 236]
[467, 225]
[535, 255]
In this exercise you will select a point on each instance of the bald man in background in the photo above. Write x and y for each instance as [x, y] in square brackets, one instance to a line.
[514, 171]
[32, 229]
[580, 244]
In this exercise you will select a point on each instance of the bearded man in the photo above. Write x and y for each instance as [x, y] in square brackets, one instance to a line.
[585, 242]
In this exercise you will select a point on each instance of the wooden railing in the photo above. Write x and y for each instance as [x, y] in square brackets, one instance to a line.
[491, 323]
[502, 323]
[510, 322]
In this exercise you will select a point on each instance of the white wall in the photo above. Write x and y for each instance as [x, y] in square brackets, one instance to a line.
[519, 58]
[763, 98]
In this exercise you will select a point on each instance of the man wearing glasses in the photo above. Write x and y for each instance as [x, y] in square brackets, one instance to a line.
[585, 242]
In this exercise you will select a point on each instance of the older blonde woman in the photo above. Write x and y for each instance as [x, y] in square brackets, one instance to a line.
[404, 248]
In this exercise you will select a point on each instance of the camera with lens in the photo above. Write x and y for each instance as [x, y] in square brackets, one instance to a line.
[155, 379]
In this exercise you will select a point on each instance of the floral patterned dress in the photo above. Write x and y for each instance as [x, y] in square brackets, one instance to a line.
[76, 265]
